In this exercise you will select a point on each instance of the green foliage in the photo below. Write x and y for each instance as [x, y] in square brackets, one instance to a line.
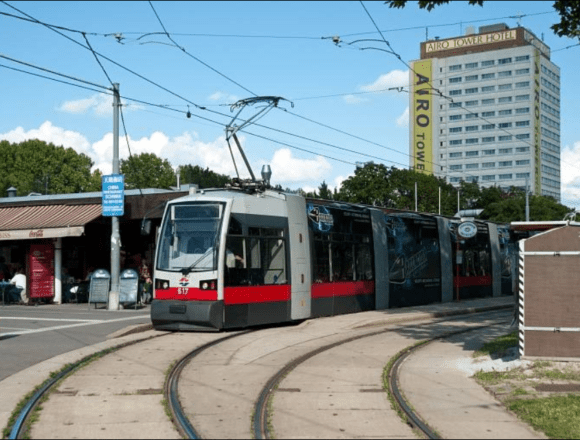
[557, 416]
[147, 170]
[569, 11]
[378, 185]
[35, 166]
[204, 178]
[498, 345]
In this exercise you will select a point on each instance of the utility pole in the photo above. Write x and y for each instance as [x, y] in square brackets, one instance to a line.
[527, 202]
[115, 235]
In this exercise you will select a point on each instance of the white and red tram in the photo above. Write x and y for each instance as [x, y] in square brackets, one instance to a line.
[232, 258]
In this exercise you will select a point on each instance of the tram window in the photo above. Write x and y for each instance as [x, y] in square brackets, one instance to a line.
[342, 262]
[235, 227]
[364, 265]
[321, 272]
[252, 261]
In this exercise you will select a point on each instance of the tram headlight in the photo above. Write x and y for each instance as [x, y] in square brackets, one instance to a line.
[161, 284]
[208, 285]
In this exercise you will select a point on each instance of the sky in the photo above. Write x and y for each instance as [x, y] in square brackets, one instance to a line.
[337, 109]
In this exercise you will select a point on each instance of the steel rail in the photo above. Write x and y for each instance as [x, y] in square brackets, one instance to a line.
[171, 388]
[17, 429]
[260, 428]
[393, 375]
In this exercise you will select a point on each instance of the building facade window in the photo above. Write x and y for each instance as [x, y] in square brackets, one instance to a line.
[502, 87]
[455, 117]
[471, 65]
[522, 84]
[487, 101]
[522, 58]
[471, 116]
[455, 167]
[504, 100]
[505, 125]
[505, 163]
[505, 176]
[487, 89]
[522, 162]
[455, 68]
[487, 63]
[488, 152]
[522, 123]
[470, 103]
[504, 61]
[471, 153]
[455, 92]
[455, 129]
[455, 155]
[455, 80]
[488, 127]
[504, 74]
[522, 110]
[523, 136]
[488, 139]
[471, 141]
[471, 166]
[488, 114]
[505, 151]
[488, 165]
[504, 112]
[522, 71]
[522, 149]
[488, 177]
[471, 78]
[505, 138]
[522, 98]
[472, 128]
[488, 76]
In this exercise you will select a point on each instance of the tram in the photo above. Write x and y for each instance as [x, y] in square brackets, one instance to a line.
[239, 257]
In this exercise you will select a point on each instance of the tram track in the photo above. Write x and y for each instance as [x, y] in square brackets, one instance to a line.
[261, 423]
[262, 412]
[18, 429]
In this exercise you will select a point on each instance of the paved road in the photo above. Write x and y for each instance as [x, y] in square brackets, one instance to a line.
[29, 335]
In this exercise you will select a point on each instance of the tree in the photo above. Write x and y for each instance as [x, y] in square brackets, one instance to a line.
[324, 192]
[204, 178]
[569, 11]
[37, 166]
[378, 185]
[147, 170]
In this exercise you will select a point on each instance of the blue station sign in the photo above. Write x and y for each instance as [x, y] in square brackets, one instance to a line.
[113, 195]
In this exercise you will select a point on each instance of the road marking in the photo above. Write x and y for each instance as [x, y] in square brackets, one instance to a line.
[12, 328]
[46, 319]
[62, 327]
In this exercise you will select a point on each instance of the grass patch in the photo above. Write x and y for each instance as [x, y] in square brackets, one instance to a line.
[495, 377]
[498, 345]
[557, 416]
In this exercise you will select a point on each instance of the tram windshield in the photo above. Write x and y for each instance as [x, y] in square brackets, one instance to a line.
[190, 237]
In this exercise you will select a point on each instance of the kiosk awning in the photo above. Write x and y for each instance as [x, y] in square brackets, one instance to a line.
[49, 221]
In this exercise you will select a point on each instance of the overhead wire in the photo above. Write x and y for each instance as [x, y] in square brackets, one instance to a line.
[434, 88]
[201, 107]
[194, 57]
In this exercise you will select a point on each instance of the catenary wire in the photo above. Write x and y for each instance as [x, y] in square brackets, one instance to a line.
[242, 86]
[194, 57]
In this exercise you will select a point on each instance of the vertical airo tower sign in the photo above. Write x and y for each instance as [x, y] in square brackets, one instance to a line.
[422, 117]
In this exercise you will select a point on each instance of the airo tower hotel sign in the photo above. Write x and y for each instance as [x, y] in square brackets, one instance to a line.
[470, 40]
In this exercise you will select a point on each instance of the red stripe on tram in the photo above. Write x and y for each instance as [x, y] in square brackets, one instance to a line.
[256, 294]
[342, 288]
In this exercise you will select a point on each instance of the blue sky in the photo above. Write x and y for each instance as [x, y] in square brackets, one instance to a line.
[236, 50]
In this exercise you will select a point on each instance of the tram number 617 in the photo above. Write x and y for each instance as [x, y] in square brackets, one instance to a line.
[182, 290]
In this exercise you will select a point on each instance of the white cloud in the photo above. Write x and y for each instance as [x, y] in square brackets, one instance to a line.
[184, 149]
[352, 99]
[571, 175]
[403, 120]
[222, 96]
[49, 133]
[289, 170]
[100, 105]
[395, 78]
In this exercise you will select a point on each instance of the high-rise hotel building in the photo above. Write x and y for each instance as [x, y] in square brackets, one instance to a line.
[485, 107]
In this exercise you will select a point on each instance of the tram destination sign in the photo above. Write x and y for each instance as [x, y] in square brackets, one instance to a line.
[113, 195]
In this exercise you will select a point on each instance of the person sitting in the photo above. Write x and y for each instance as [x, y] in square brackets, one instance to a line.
[17, 292]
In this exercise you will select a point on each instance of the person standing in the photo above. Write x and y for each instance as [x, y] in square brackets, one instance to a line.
[146, 281]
